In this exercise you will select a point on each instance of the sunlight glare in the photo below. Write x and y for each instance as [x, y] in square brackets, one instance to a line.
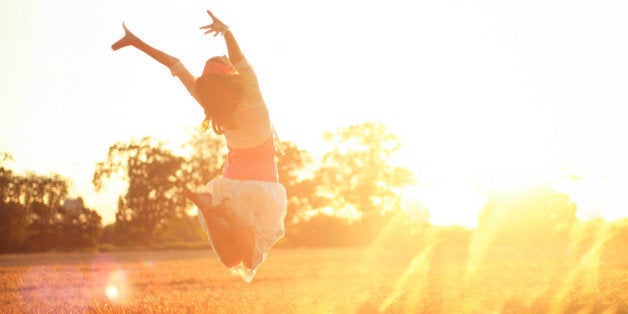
[117, 288]
[111, 292]
[414, 279]
[455, 171]
[599, 188]
[446, 203]
[583, 276]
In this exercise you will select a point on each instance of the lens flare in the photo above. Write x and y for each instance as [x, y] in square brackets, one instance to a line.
[413, 282]
[117, 288]
[111, 292]
[149, 263]
[111, 279]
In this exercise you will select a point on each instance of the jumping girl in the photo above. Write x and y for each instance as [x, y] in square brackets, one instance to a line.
[243, 211]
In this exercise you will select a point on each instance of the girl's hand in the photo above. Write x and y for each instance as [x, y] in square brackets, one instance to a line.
[127, 40]
[217, 26]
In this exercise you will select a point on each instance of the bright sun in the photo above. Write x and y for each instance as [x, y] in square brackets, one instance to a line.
[456, 172]
[455, 179]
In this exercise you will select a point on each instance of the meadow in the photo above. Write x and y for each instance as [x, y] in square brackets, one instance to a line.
[443, 275]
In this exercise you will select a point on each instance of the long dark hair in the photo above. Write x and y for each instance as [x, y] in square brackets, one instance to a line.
[219, 94]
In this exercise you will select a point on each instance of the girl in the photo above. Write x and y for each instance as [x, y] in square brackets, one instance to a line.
[243, 211]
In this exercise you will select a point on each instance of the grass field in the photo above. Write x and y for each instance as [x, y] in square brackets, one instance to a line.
[436, 278]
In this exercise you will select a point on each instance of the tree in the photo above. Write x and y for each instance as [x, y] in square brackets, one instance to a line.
[32, 216]
[13, 226]
[292, 168]
[536, 215]
[206, 160]
[155, 191]
[13, 222]
[154, 207]
[81, 225]
[7, 191]
[357, 173]
[42, 197]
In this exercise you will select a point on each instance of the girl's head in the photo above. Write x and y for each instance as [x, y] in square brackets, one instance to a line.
[219, 90]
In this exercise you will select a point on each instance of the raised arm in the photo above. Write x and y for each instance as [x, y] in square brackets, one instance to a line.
[219, 28]
[129, 39]
[177, 69]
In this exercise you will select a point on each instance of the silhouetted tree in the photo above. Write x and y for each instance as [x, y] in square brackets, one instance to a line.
[81, 224]
[13, 226]
[13, 218]
[6, 180]
[294, 167]
[42, 197]
[208, 154]
[357, 171]
[32, 217]
[155, 193]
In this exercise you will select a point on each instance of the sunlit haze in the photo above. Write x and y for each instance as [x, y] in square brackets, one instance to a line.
[482, 94]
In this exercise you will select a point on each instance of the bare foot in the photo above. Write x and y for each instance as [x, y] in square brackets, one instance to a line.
[204, 203]
[202, 200]
[127, 40]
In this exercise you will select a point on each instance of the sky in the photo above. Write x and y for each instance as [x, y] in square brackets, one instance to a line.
[482, 94]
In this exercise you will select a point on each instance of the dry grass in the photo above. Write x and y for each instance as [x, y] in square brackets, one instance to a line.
[437, 277]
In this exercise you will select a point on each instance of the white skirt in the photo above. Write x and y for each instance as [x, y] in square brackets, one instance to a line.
[261, 205]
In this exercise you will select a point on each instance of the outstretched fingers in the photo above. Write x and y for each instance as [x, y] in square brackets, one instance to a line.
[216, 32]
[126, 30]
[217, 26]
[209, 28]
[211, 15]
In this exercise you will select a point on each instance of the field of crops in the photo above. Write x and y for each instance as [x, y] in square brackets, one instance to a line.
[434, 278]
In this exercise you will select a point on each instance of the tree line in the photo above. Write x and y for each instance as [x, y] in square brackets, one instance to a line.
[38, 216]
[348, 197]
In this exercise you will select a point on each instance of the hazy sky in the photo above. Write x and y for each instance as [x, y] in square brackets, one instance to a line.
[481, 93]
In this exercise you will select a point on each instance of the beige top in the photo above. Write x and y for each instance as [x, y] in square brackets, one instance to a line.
[251, 117]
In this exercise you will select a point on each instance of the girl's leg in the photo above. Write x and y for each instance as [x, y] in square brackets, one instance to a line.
[241, 233]
[223, 241]
[240, 238]
[130, 39]
[219, 230]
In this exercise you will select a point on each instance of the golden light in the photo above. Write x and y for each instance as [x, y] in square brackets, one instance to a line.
[111, 292]
[443, 203]
[117, 288]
